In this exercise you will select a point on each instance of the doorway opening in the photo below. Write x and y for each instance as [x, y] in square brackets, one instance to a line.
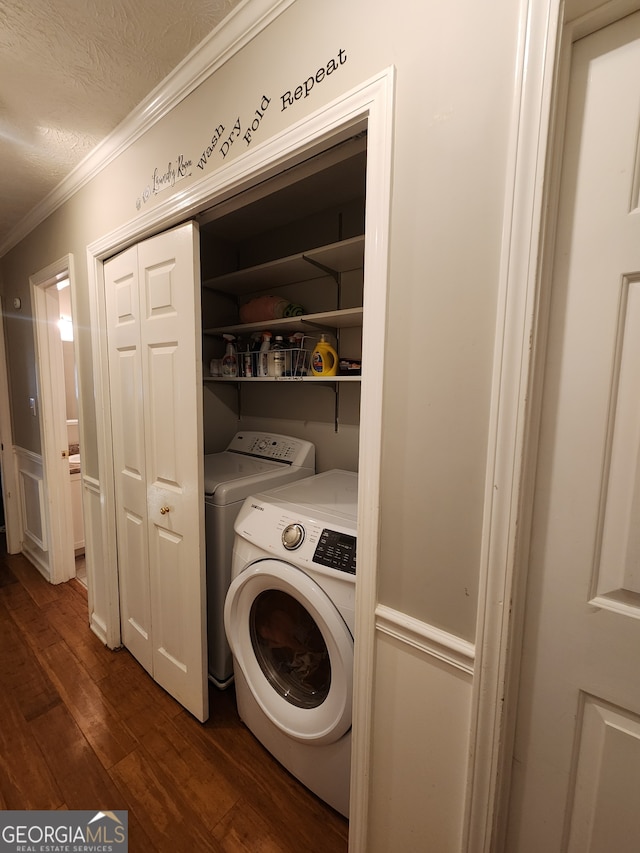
[65, 325]
[58, 392]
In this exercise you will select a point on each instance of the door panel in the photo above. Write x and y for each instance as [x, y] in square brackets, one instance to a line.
[165, 445]
[172, 381]
[617, 578]
[125, 371]
[164, 380]
[576, 758]
[608, 752]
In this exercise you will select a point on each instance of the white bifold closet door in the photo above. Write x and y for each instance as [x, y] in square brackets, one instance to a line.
[152, 294]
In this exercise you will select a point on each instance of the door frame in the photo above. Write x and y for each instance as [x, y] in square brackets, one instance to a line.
[547, 36]
[368, 105]
[52, 415]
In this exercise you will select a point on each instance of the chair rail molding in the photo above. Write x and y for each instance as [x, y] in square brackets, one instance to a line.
[431, 641]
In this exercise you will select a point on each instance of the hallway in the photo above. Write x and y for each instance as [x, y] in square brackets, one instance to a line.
[85, 728]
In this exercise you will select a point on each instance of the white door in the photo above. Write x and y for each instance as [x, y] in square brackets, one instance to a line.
[576, 767]
[153, 321]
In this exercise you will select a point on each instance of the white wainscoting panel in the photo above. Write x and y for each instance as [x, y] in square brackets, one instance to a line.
[33, 513]
[94, 551]
[420, 736]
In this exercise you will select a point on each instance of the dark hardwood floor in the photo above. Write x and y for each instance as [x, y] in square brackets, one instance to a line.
[83, 727]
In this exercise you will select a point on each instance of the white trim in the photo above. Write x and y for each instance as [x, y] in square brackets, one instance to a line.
[370, 104]
[378, 100]
[427, 639]
[242, 25]
[27, 454]
[90, 483]
[515, 324]
[108, 621]
[35, 559]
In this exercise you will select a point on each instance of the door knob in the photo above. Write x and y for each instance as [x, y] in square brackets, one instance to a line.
[164, 510]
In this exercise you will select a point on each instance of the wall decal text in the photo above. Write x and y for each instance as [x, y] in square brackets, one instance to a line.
[304, 89]
[257, 118]
[163, 179]
[223, 137]
[211, 147]
[235, 133]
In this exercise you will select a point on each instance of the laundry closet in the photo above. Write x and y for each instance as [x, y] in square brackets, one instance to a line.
[282, 313]
[172, 304]
[297, 237]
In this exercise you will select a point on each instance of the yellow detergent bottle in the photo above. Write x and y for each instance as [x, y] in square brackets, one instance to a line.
[324, 359]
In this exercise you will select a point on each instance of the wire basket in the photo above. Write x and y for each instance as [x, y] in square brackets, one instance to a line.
[292, 363]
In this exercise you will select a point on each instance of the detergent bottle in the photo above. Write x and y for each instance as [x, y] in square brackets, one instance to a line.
[324, 359]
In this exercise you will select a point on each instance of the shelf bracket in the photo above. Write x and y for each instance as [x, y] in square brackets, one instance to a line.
[335, 387]
[335, 275]
[329, 271]
[313, 325]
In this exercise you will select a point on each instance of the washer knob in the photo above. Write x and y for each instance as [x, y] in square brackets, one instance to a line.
[292, 536]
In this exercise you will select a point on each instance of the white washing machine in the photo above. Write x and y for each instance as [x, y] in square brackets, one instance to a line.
[252, 461]
[289, 617]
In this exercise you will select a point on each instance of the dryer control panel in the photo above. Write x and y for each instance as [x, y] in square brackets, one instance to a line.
[336, 550]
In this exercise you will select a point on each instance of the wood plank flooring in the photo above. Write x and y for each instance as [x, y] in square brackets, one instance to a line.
[83, 727]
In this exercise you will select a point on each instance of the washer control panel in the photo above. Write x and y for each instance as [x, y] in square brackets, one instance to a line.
[278, 448]
[336, 550]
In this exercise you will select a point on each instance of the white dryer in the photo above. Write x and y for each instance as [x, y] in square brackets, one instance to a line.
[252, 461]
[289, 617]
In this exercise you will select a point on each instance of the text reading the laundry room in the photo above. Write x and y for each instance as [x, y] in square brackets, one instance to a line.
[165, 178]
[303, 90]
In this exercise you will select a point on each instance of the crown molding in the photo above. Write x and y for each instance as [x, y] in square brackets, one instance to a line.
[242, 25]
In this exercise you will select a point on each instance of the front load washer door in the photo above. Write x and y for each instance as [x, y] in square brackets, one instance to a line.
[294, 649]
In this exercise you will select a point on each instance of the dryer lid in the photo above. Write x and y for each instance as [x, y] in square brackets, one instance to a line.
[227, 467]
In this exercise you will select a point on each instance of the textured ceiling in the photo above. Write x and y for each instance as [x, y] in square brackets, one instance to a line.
[71, 71]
